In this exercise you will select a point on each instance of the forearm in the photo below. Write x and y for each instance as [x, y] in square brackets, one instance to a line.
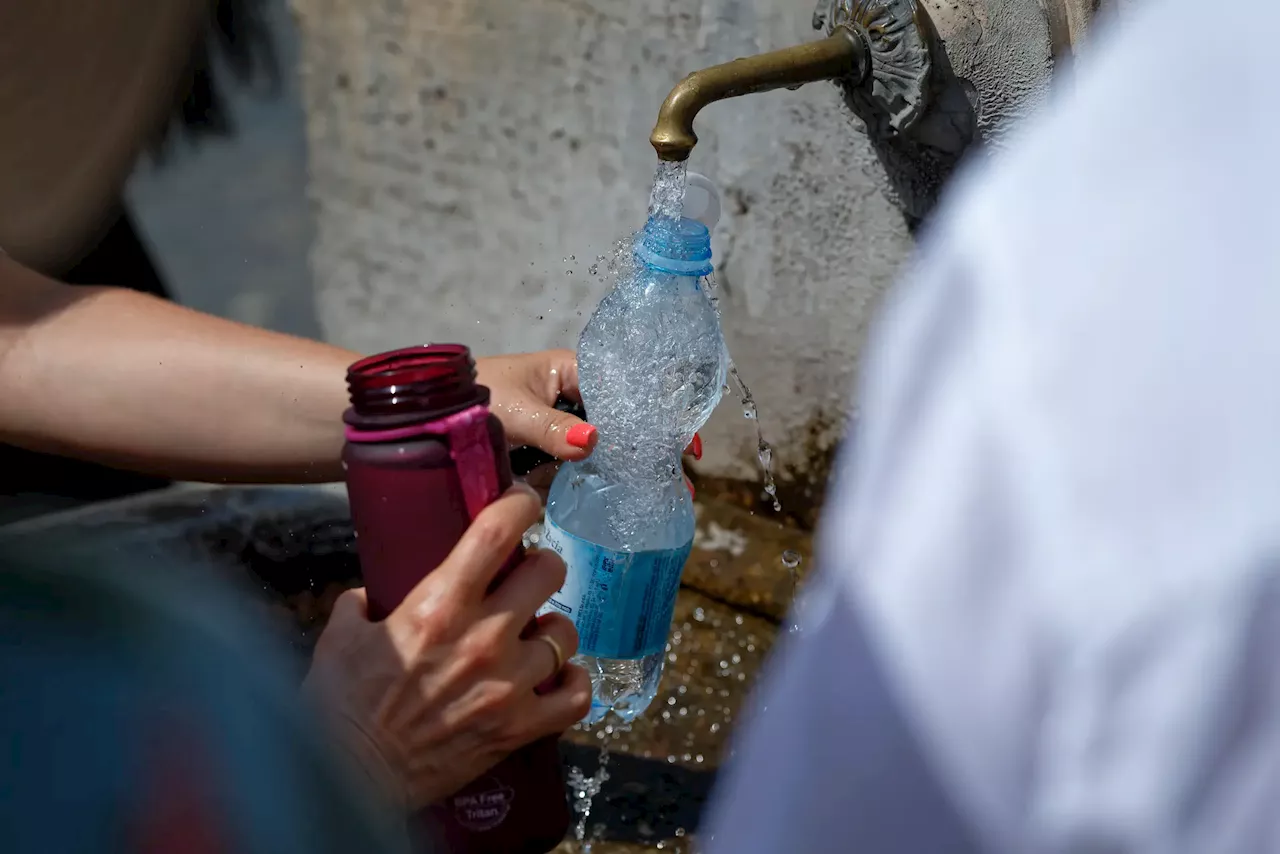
[133, 381]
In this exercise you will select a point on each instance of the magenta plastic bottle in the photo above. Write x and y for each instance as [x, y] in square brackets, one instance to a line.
[423, 457]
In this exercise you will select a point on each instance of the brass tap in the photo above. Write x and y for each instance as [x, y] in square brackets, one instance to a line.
[843, 54]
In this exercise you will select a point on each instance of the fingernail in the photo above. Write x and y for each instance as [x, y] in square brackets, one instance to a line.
[696, 444]
[580, 435]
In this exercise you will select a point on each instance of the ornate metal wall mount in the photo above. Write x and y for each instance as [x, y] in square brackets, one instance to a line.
[919, 116]
[899, 39]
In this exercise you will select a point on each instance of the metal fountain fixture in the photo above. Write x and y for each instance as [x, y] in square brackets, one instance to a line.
[879, 51]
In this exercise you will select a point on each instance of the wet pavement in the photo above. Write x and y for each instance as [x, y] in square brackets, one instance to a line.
[292, 552]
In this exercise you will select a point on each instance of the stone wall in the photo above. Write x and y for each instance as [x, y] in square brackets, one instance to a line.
[470, 158]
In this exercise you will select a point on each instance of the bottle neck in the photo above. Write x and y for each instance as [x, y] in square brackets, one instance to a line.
[675, 247]
[413, 385]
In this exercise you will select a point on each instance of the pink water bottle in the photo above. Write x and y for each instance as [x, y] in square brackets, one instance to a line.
[423, 456]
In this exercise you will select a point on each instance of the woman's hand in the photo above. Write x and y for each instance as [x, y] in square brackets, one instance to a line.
[524, 390]
[443, 689]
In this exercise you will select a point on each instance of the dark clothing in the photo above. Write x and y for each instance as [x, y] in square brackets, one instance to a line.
[143, 711]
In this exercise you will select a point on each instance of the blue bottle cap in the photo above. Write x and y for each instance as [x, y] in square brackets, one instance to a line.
[680, 248]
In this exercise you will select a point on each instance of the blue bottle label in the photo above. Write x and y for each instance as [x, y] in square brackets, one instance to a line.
[621, 602]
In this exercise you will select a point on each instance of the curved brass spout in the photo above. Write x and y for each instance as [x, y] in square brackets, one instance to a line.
[842, 54]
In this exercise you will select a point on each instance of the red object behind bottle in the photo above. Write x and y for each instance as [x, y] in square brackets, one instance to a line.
[414, 414]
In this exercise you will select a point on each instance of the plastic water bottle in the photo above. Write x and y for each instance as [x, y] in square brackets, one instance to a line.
[651, 367]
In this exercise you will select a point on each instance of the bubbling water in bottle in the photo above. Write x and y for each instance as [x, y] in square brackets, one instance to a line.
[651, 362]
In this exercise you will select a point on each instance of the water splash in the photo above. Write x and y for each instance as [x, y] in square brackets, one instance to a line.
[791, 561]
[586, 788]
[533, 536]
[764, 452]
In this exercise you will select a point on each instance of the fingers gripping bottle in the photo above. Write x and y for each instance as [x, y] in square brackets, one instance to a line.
[651, 367]
[423, 457]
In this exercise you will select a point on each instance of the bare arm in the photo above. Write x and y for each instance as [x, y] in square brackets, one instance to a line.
[130, 380]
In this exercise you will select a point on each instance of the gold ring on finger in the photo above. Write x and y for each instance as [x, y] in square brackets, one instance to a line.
[555, 650]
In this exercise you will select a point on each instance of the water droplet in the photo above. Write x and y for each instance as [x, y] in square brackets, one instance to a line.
[791, 559]
[749, 414]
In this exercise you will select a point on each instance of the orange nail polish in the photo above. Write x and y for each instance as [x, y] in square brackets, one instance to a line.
[696, 444]
[580, 435]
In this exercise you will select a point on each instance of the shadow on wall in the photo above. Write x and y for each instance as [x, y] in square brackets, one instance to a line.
[919, 115]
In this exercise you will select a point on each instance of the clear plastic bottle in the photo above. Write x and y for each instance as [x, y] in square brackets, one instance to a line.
[651, 365]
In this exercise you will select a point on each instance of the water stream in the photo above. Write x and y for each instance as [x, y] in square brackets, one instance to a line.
[666, 199]
[586, 788]
[764, 451]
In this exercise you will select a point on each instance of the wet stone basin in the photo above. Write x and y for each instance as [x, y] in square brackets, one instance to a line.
[295, 549]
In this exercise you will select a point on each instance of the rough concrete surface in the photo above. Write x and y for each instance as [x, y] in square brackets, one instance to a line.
[470, 158]
[460, 149]
[1003, 50]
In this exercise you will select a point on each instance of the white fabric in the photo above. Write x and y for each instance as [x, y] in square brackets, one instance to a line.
[1047, 617]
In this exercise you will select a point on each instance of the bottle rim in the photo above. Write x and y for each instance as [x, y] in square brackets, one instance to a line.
[679, 247]
[431, 380]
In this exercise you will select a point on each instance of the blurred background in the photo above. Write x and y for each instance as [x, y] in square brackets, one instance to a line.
[226, 218]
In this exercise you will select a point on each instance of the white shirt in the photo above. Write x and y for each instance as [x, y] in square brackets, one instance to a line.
[1047, 615]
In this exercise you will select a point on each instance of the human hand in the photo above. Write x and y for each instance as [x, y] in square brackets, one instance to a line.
[541, 477]
[444, 688]
[524, 391]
